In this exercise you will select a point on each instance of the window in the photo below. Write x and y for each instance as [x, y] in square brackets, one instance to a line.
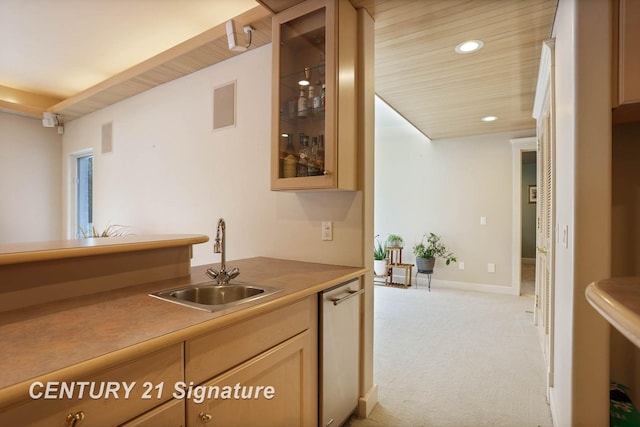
[84, 195]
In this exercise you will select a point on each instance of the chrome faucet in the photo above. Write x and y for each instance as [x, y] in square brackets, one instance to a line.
[223, 276]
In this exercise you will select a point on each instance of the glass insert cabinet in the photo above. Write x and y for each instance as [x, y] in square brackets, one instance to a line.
[314, 95]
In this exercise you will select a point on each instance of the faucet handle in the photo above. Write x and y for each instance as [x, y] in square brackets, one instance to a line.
[235, 271]
[212, 273]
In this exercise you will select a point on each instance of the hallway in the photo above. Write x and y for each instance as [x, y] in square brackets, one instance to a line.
[456, 358]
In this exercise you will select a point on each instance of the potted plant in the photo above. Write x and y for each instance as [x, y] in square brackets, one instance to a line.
[379, 259]
[112, 230]
[426, 254]
[395, 240]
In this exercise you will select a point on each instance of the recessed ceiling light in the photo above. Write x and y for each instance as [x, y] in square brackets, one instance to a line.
[489, 118]
[469, 46]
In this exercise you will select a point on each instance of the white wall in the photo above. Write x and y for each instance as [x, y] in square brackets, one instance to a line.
[171, 173]
[30, 180]
[444, 187]
[583, 186]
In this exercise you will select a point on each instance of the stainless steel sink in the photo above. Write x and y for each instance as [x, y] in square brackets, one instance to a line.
[211, 296]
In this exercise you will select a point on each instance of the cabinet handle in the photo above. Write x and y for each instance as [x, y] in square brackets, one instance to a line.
[352, 294]
[542, 250]
[74, 420]
[326, 172]
[205, 418]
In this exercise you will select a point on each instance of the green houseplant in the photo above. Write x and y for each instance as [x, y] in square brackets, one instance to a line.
[379, 258]
[426, 253]
[394, 240]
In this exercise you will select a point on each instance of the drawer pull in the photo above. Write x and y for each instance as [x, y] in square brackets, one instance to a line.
[205, 418]
[74, 420]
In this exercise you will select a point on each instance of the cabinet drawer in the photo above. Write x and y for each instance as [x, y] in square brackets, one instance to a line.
[171, 414]
[161, 367]
[216, 352]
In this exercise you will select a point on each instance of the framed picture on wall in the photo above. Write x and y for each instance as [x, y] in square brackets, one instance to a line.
[533, 194]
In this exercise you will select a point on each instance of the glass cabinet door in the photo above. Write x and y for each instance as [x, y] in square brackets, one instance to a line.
[308, 75]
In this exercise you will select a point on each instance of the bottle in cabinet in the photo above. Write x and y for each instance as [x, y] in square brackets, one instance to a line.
[303, 155]
[313, 167]
[303, 104]
[289, 159]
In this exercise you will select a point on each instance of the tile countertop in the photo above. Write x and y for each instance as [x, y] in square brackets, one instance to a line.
[71, 338]
[618, 301]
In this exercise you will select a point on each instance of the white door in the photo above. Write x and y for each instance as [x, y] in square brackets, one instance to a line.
[544, 310]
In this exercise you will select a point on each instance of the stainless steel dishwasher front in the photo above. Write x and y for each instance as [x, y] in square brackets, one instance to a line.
[340, 351]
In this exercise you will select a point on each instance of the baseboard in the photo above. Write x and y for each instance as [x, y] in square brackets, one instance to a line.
[528, 261]
[466, 286]
[368, 402]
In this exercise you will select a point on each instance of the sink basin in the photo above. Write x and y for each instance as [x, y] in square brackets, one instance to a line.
[211, 296]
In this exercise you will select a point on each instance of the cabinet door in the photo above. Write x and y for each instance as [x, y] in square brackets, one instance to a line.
[171, 414]
[164, 367]
[314, 116]
[629, 55]
[236, 398]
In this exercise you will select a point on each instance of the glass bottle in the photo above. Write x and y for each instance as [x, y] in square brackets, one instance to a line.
[317, 99]
[303, 105]
[311, 95]
[303, 155]
[312, 167]
[322, 100]
[290, 160]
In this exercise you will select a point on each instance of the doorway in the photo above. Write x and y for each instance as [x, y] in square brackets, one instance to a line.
[528, 223]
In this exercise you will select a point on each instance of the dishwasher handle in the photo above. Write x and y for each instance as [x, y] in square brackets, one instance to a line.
[351, 294]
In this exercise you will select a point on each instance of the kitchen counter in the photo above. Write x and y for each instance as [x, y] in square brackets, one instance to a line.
[66, 339]
[618, 301]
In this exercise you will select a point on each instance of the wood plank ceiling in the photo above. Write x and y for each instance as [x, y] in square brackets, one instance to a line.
[443, 93]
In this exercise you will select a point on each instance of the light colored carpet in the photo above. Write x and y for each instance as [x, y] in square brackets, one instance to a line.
[527, 278]
[456, 358]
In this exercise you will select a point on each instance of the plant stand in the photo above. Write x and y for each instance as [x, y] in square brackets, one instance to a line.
[428, 273]
[394, 260]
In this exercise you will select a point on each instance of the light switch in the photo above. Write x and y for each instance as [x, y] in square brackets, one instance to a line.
[491, 268]
[461, 265]
[483, 220]
[327, 230]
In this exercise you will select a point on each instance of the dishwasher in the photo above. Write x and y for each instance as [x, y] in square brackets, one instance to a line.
[340, 350]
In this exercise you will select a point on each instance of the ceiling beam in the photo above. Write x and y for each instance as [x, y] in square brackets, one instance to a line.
[25, 103]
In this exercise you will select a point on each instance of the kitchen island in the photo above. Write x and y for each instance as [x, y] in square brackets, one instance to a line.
[118, 333]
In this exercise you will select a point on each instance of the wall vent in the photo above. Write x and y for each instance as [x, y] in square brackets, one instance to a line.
[224, 106]
[107, 138]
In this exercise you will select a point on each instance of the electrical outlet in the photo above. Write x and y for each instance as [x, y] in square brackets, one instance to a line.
[491, 268]
[327, 230]
[461, 265]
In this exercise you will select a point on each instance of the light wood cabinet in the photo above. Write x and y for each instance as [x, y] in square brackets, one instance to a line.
[100, 409]
[277, 349]
[171, 414]
[269, 390]
[626, 61]
[314, 138]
